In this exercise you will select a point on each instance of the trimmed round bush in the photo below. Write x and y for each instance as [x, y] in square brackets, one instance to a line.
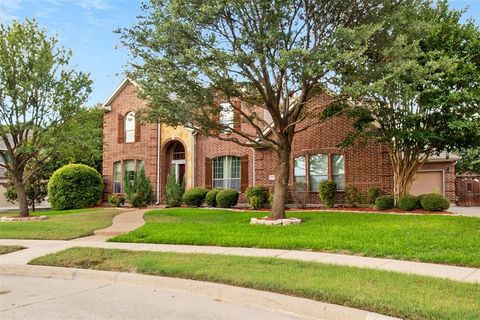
[385, 202]
[256, 202]
[434, 202]
[227, 198]
[326, 192]
[408, 202]
[194, 197]
[373, 193]
[74, 186]
[211, 196]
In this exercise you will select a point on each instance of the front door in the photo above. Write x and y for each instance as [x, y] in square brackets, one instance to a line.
[178, 169]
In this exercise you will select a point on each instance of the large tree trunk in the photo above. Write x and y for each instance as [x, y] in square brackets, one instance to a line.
[282, 176]
[405, 169]
[21, 195]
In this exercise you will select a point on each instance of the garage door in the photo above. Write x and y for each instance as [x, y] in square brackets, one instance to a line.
[3, 201]
[427, 182]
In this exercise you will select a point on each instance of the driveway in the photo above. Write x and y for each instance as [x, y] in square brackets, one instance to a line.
[465, 211]
[29, 297]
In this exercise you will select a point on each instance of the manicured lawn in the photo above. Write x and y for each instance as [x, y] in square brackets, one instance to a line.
[439, 239]
[8, 249]
[60, 225]
[391, 293]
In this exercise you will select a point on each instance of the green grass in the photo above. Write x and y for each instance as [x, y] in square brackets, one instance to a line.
[9, 249]
[390, 293]
[60, 225]
[439, 239]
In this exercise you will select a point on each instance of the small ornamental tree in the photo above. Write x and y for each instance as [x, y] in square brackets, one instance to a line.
[35, 188]
[198, 62]
[39, 92]
[414, 84]
[139, 190]
[174, 191]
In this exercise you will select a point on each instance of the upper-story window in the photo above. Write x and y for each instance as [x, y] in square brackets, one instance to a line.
[226, 116]
[130, 127]
[226, 173]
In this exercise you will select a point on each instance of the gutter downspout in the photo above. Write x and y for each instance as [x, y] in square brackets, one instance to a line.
[253, 164]
[194, 150]
[158, 164]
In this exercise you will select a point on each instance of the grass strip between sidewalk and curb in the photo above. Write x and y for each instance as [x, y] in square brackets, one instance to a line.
[9, 249]
[390, 293]
[60, 225]
[449, 240]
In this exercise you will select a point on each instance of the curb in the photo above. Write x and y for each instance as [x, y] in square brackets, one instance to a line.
[302, 307]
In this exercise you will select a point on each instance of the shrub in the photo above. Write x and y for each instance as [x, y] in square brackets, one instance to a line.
[116, 200]
[326, 192]
[227, 198]
[408, 202]
[256, 202]
[257, 193]
[74, 186]
[434, 202]
[174, 191]
[300, 194]
[211, 196]
[353, 197]
[372, 194]
[385, 202]
[139, 191]
[194, 197]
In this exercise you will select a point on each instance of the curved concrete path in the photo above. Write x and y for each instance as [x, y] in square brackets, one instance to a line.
[91, 294]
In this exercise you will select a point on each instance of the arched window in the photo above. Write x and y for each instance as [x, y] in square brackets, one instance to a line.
[130, 127]
[226, 173]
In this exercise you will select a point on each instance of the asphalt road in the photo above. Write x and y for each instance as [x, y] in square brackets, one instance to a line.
[27, 297]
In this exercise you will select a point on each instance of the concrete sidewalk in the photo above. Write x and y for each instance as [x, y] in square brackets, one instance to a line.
[38, 248]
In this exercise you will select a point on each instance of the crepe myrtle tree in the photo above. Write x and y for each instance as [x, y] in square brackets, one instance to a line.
[263, 58]
[39, 92]
[414, 84]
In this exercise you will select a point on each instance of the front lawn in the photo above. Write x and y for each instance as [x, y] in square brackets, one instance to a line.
[390, 293]
[439, 239]
[60, 225]
[9, 249]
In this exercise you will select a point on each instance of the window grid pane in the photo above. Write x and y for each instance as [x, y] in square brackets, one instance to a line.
[117, 177]
[299, 178]
[130, 127]
[318, 170]
[338, 168]
[226, 173]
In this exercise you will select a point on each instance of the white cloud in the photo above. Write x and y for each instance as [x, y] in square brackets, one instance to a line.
[93, 4]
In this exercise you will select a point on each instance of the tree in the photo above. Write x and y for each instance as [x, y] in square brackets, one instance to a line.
[263, 57]
[414, 83]
[470, 161]
[35, 188]
[39, 92]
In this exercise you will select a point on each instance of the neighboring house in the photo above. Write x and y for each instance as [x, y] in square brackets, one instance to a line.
[209, 162]
[3, 180]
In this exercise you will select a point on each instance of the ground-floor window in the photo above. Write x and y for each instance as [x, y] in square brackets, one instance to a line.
[226, 173]
[315, 168]
[125, 168]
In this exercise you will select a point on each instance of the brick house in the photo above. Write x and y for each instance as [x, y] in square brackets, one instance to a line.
[3, 179]
[209, 162]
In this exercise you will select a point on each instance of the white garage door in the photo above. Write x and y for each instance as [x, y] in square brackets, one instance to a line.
[427, 182]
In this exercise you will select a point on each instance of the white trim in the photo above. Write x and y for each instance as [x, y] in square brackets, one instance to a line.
[125, 81]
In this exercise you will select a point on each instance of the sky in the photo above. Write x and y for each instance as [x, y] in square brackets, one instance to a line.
[87, 27]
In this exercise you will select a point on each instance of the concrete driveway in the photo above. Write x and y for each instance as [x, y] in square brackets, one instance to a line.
[465, 211]
[29, 297]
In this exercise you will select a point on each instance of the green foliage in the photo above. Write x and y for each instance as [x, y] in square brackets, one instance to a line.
[353, 196]
[470, 160]
[256, 202]
[116, 200]
[174, 191]
[408, 202]
[227, 198]
[326, 192]
[211, 197]
[256, 196]
[139, 191]
[372, 194]
[385, 202]
[74, 186]
[434, 202]
[194, 197]
[36, 188]
[39, 93]
[417, 77]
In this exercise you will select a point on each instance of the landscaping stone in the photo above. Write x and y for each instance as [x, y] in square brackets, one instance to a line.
[16, 219]
[283, 222]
